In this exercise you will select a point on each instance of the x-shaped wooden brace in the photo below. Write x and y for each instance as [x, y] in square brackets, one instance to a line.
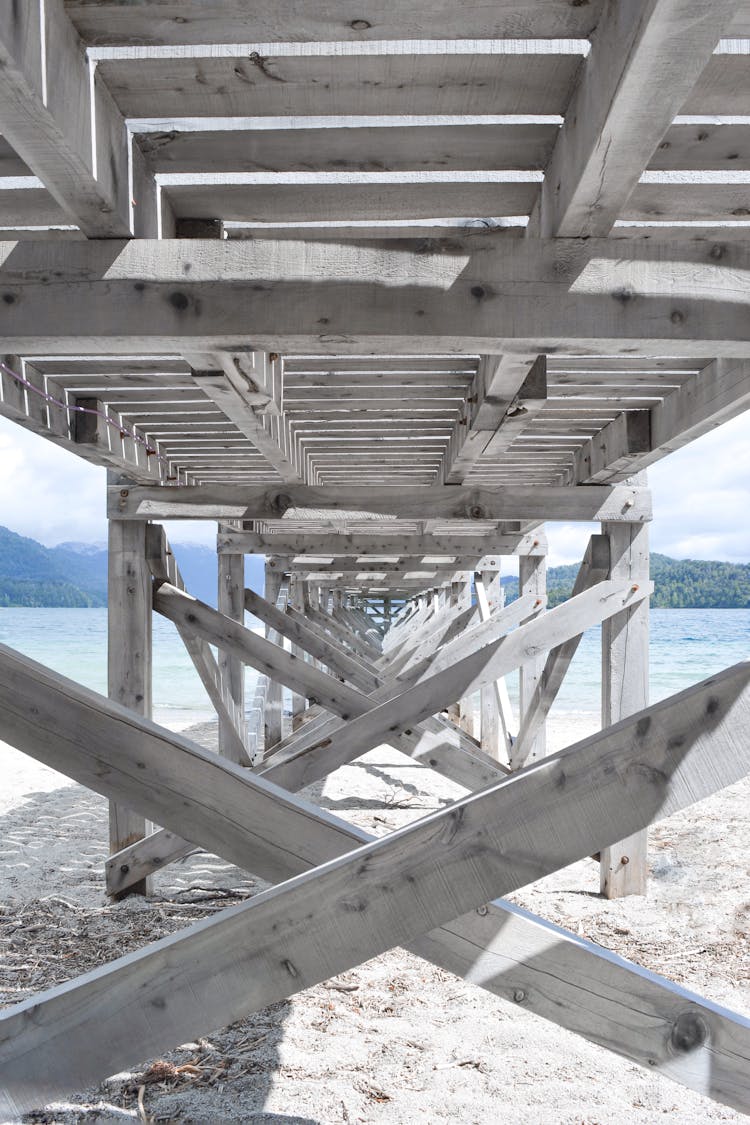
[357, 903]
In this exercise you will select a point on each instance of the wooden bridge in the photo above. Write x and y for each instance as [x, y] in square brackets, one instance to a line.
[380, 291]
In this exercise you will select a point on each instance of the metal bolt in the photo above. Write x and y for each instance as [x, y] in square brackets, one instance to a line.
[624, 860]
[519, 996]
[124, 868]
[124, 492]
[482, 911]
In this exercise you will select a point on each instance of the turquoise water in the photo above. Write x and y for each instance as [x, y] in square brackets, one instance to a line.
[686, 646]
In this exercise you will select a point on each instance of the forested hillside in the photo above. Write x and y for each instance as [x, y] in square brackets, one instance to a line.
[75, 574]
[679, 584]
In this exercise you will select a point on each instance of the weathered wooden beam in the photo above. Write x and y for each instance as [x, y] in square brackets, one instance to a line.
[230, 591]
[496, 715]
[594, 568]
[623, 866]
[450, 678]
[517, 297]
[267, 658]
[60, 117]
[180, 22]
[645, 58]
[240, 388]
[335, 544]
[382, 894]
[129, 659]
[532, 579]
[311, 641]
[507, 392]
[445, 502]
[163, 566]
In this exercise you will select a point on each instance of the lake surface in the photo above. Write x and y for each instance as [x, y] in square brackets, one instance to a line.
[686, 646]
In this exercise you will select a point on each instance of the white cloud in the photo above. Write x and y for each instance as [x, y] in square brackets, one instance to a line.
[53, 496]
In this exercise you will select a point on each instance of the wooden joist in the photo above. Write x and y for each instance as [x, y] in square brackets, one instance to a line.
[377, 896]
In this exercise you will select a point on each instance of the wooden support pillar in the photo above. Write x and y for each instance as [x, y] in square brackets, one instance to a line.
[129, 658]
[273, 717]
[532, 579]
[299, 703]
[624, 866]
[231, 601]
[494, 705]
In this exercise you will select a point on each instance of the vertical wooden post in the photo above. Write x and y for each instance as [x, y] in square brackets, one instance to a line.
[493, 698]
[532, 579]
[273, 717]
[299, 703]
[129, 657]
[624, 866]
[231, 601]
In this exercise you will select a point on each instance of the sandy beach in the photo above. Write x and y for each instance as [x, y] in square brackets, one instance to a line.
[395, 1040]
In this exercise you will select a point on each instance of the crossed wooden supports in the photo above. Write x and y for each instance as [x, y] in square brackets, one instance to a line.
[348, 897]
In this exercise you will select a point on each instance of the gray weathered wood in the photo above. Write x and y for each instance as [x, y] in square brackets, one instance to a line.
[646, 57]
[512, 296]
[49, 105]
[594, 568]
[129, 657]
[532, 579]
[601, 502]
[230, 588]
[385, 893]
[625, 637]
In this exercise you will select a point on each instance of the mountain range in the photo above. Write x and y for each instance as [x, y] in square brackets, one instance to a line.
[75, 575]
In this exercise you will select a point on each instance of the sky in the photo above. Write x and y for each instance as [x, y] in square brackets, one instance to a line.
[701, 498]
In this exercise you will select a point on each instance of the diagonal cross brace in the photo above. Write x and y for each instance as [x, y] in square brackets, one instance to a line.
[351, 908]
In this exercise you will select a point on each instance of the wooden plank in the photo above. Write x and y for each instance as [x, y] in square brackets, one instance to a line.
[61, 120]
[227, 21]
[646, 58]
[386, 893]
[129, 659]
[437, 502]
[594, 568]
[287, 82]
[705, 145]
[393, 147]
[175, 295]
[371, 197]
[625, 637]
[664, 196]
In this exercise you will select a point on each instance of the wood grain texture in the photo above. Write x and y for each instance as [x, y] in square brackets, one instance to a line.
[386, 892]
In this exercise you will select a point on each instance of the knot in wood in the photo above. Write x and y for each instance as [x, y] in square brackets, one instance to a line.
[689, 1032]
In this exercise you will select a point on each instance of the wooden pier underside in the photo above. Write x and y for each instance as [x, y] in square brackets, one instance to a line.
[381, 294]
